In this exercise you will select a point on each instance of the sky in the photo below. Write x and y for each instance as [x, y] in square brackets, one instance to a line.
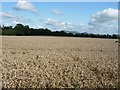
[90, 17]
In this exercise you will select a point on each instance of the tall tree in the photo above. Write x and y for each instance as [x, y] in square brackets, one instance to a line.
[20, 29]
[26, 30]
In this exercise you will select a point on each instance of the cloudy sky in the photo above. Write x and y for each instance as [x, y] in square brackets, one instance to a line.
[91, 17]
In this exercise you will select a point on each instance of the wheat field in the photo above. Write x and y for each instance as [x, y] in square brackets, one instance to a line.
[59, 62]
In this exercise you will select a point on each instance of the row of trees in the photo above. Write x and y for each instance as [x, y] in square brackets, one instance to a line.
[21, 30]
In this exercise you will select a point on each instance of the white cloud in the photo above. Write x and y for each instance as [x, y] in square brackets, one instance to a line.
[12, 19]
[25, 5]
[56, 12]
[7, 15]
[101, 22]
[106, 16]
[50, 22]
[104, 21]
[16, 22]
[56, 25]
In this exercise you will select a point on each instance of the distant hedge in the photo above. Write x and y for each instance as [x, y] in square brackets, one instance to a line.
[25, 30]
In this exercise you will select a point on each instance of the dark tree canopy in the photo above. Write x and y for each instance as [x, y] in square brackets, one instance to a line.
[25, 30]
[20, 29]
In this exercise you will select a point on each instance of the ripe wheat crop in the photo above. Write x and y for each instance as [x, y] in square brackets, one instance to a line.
[59, 62]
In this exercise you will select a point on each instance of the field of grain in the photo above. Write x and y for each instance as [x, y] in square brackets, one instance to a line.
[59, 62]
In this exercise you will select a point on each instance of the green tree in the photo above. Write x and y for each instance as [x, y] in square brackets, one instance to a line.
[20, 29]
[26, 29]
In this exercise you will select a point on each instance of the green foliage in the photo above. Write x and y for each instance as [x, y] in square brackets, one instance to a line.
[8, 32]
[21, 30]
[77, 86]
[118, 40]
[0, 31]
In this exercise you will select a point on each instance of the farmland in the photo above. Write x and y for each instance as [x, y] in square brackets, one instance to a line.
[59, 62]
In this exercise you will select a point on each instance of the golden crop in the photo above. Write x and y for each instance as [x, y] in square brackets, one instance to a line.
[56, 62]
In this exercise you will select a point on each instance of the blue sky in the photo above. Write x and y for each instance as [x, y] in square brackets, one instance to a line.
[91, 17]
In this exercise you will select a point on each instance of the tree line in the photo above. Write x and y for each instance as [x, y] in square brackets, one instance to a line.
[25, 30]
